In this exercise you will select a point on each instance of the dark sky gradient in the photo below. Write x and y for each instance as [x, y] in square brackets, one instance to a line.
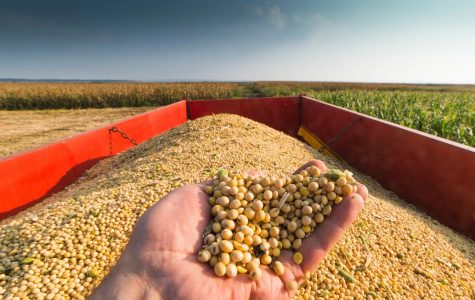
[366, 40]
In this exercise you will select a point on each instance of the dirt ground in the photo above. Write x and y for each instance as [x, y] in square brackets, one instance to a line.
[26, 129]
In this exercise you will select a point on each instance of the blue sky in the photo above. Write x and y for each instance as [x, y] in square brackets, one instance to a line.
[426, 41]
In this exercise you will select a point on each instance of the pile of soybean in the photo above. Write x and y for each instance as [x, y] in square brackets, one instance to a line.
[63, 249]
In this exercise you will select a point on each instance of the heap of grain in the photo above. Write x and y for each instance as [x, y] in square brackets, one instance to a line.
[63, 249]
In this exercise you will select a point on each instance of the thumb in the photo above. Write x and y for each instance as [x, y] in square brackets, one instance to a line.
[327, 234]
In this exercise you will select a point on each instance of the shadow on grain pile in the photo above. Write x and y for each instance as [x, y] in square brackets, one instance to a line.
[392, 250]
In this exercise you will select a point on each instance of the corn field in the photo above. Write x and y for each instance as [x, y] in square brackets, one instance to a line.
[14, 96]
[443, 110]
[447, 116]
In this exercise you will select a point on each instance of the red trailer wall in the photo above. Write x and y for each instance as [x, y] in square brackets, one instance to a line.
[281, 113]
[434, 174]
[28, 177]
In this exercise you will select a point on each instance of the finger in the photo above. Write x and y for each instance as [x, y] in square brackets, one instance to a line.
[326, 235]
[362, 191]
[268, 286]
[314, 162]
[292, 270]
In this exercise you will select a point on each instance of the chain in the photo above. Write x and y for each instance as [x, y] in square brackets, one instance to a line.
[122, 134]
[340, 133]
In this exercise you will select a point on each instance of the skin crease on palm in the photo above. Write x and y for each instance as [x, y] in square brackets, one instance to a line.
[160, 261]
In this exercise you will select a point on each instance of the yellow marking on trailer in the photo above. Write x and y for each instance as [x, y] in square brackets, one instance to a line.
[316, 143]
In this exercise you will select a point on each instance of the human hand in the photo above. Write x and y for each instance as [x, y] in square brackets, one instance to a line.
[160, 260]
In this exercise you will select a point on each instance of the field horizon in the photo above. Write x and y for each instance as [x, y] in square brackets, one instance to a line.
[184, 80]
[444, 110]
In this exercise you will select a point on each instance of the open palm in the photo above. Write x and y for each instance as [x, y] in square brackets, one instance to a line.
[160, 260]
